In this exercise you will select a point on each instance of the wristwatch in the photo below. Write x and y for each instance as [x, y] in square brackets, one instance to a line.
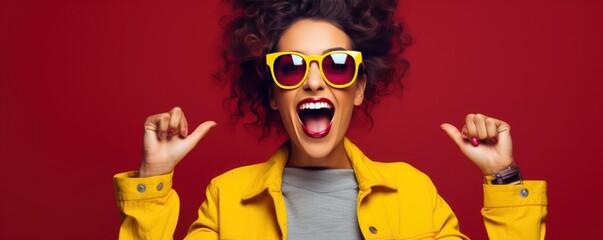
[511, 175]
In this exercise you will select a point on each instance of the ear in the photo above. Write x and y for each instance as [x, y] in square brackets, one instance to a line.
[253, 44]
[360, 86]
[273, 103]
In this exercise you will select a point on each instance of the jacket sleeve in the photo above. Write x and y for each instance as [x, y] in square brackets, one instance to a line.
[515, 211]
[149, 206]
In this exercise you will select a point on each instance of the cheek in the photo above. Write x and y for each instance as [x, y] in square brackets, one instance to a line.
[347, 99]
[283, 100]
[346, 108]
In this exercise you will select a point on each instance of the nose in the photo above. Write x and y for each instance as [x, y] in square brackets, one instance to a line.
[314, 81]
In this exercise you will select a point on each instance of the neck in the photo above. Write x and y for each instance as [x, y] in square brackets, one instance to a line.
[336, 159]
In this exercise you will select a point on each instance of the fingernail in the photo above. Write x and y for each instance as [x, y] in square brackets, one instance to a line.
[185, 132]
[474, 141]
[172, 132]
[464, 133]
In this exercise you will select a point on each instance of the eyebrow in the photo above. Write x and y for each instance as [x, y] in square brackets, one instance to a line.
[333, 49]
[325, 51]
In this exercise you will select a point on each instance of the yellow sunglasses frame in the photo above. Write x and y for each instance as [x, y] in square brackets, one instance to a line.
[271, 58]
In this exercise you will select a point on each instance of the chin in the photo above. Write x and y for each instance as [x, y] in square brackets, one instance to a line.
[317, 148]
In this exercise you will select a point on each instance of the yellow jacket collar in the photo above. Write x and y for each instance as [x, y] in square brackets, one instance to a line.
[270, 176]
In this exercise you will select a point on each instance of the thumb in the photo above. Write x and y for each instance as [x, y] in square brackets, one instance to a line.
[454, 134]
[196, 136]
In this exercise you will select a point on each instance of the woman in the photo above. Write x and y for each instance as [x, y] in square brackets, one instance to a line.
[307, 66]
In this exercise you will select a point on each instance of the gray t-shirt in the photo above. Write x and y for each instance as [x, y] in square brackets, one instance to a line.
[321, 203]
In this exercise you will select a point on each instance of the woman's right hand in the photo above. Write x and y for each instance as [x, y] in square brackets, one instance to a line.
[166, 141]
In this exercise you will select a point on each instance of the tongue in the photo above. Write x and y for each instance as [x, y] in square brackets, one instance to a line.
[316, 122]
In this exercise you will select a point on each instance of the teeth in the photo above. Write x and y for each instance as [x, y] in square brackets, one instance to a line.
[318, 105]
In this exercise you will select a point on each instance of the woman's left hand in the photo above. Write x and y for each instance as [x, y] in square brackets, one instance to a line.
[485, 141]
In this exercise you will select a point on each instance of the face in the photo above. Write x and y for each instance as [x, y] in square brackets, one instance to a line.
[315, 115]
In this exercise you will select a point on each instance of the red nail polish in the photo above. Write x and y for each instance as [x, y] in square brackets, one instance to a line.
[464, 133]
[474, 141]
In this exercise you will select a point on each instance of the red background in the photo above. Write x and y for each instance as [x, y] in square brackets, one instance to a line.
[78, 78]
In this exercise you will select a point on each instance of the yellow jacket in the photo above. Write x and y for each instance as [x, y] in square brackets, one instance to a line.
[395, 201]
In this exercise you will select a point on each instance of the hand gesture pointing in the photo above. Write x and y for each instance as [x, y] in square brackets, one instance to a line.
[167, 140]
[486, 141]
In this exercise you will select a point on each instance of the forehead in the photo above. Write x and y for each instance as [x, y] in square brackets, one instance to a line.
[313, 37]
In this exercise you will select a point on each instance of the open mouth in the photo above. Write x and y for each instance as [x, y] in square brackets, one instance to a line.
[315, 116]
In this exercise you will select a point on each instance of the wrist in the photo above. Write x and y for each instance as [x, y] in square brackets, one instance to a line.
[510, 175]
[146, 170]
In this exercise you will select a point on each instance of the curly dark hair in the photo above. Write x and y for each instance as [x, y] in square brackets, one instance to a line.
[253, 29]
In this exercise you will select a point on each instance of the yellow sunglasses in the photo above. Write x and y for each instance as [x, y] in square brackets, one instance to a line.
[289, 70]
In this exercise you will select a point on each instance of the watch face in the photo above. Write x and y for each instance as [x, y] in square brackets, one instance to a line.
[511, 175]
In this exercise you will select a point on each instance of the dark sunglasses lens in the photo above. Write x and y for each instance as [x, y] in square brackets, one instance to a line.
[339, 68]
[289, 69]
